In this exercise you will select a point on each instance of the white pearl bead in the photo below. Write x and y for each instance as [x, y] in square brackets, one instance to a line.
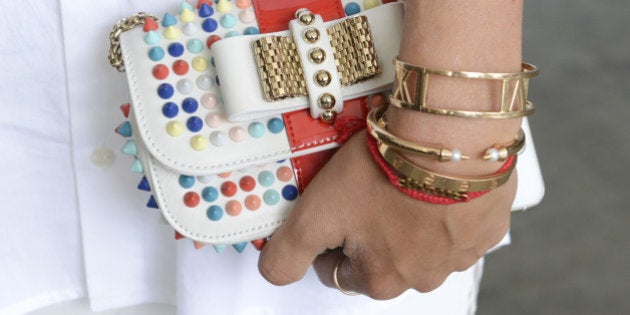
[494, 154]
[456, 155]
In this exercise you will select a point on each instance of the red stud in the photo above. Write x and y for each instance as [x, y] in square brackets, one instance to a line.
[125, 109]
[191, 199]
[160, 72]
[247, 183]
[228, 189]
[180, 67]
[178, 236]
[211, 40]
[201, 2]
[149, 25]
[259, 244]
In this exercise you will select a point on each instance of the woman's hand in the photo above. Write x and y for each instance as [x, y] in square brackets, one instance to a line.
[387, 241]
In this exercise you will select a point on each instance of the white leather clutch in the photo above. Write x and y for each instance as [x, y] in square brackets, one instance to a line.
[228, 125]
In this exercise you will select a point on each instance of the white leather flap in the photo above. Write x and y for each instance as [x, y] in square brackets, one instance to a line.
[243, 94]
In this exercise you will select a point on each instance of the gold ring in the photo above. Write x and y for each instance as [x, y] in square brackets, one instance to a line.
[336, 281]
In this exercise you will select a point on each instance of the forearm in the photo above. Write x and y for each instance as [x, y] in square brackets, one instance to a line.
[479, 35]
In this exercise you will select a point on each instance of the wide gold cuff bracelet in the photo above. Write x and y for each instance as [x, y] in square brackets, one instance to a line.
[377, 126]
[412, 84]
[418, 178]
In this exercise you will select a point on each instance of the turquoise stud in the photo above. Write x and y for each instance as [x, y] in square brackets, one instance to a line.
[130, 148]
[124, 129]
[168, 20]
[136, 167]
[219, 248]
[240, 247]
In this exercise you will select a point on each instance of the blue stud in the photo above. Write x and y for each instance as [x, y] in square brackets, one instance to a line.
[144, 185]
[165, 91]
[136, 167]
[186, 181]
[168, 20]
[190, 105]
[130, 148]
[156, 53]
[240, 247]
[290, 192]
[205, 11]
[170, 110]
[214, 213]
[251, 31]
[210, 25]
[218, 248]
[210, 194]
[232, 34]
[194, 124]
[152, 203]
[176, 49]
[275, 125]
[124, 129]
[352, 8]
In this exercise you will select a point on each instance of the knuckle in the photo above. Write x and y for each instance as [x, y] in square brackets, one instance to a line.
[384, 287]
[429, 285]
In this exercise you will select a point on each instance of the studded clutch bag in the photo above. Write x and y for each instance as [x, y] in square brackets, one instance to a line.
[235, 105]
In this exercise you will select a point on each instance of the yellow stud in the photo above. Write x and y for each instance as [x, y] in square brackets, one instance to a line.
[187, 15]
[368, 4]
[224, 6]
[199, 143]
[175, 128]
[172, 33]
[200, 64]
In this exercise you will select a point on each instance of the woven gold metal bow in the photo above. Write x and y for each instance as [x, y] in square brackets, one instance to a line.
[280, 67]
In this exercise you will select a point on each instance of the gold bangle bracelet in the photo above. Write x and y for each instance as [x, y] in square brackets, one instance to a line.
[378, 129]
[416, 177]
[513, 103]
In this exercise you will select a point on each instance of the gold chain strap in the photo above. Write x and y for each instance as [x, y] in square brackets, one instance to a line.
[123, 25]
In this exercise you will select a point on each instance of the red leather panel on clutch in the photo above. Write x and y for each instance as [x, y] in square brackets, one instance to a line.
[274, 15]
[304, 132]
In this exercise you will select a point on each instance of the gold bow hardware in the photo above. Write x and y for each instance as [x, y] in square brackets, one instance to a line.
[280, 68]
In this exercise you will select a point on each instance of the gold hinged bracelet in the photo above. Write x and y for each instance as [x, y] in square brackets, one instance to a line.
[377, 127]
[418, 178]
[412, 84]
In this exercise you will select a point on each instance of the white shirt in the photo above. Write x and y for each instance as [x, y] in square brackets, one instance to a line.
[73, 225]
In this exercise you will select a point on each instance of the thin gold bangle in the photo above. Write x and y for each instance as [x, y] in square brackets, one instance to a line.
[377, 128]
[513, 103]
[423, 179]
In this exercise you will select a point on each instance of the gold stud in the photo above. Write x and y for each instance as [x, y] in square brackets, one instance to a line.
[329, 116]
[326, 101]
[322, 77]
[311, 35]
[317, 55]
[305, 17]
